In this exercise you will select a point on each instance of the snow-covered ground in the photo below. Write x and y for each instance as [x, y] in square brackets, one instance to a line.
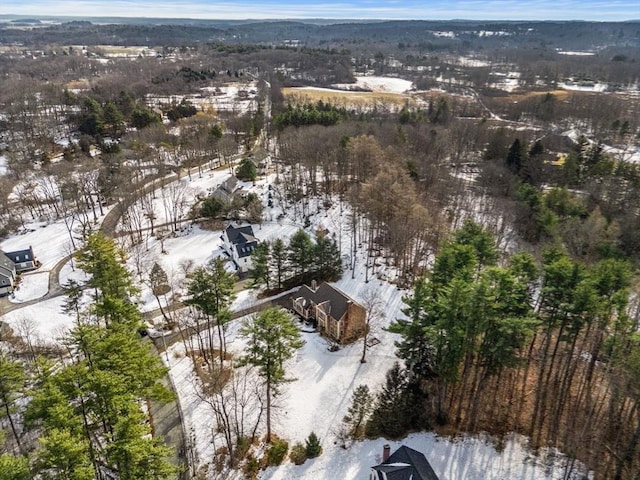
[3, 165]
[378, 84]
[45, 320]
[584, 87]
[50, 242]
[458, 458]
[472, 62]
[576, 54]
[233, 97]
[32, 286]
[70, 272]
[506, 81]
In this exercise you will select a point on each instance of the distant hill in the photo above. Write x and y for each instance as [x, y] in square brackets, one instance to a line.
[333, 34]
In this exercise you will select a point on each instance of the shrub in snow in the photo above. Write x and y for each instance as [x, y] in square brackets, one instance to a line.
[313, 447]
[242, 447]
[251, 467]
[276, 452]
[298, 454]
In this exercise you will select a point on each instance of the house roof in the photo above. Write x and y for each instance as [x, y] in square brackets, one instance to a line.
[226, 190]
[222, 195]
[406, 464]
[6, 263]
[337, 301]
[242, 239]
[230, 184]
[21, 255]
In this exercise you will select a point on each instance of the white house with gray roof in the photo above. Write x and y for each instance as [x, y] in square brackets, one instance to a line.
[239, 242]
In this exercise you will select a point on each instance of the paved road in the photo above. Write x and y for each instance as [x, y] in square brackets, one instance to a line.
[167, 423]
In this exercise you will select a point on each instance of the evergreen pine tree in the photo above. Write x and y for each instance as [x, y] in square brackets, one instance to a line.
[210, 291]
[14, 468]
[272, 338]
[515, 157]
[12, 378]
[327, 261]
[279, 261]
[312, 446]
[359, 411]
[65, 456]
[260, 273]
[300, 253]
[392, 415]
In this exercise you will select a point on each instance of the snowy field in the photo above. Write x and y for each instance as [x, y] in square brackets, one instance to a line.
[591, 87]
[3, 165]
[378, 84]
[576, 54]
[70, 272]
[506, 81]
[472, 62]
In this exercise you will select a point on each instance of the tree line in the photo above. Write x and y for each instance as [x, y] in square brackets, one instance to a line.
[278, 266]
[548, 349]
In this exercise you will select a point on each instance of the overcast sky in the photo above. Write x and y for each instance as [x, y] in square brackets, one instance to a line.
[599, 10]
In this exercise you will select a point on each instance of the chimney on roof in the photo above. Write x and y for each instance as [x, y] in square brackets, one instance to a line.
[386, 452]
[314, 285]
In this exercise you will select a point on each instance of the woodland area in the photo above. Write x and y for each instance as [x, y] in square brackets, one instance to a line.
[511, 221]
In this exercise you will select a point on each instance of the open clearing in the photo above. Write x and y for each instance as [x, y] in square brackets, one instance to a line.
[344, 98]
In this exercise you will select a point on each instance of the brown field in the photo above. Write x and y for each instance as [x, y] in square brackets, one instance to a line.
[560, 94]
[78, 84]
[347, 99]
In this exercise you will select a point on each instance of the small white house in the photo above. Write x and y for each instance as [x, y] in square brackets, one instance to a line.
[239, 243]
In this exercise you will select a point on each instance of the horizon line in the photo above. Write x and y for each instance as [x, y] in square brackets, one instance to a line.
[302, 19]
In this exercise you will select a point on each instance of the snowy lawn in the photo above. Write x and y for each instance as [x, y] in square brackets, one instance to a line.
[50, 242]
[70, 271]
[45, 320]
[31, 287]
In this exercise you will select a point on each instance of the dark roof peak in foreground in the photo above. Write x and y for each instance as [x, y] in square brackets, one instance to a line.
[406, 464]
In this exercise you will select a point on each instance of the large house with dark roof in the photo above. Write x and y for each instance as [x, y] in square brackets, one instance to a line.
[405, 464]
[239, 243]
[13, 263]
[23, 259]
[338, 316]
